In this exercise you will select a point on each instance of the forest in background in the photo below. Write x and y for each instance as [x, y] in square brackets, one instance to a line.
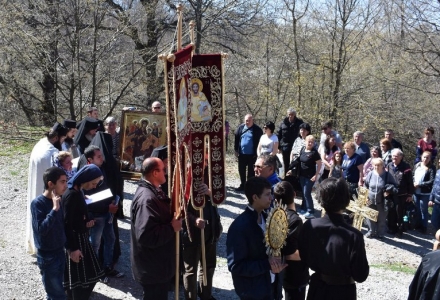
[364, 64]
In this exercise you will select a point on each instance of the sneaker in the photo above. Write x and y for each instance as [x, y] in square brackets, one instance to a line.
[113, 273]
[309, 215]
[302, 212]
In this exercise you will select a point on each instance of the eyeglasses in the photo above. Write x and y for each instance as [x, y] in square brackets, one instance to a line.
[157, 107]
[260, 167]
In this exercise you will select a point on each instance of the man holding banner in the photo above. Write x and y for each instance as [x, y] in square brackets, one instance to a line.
[153, 229]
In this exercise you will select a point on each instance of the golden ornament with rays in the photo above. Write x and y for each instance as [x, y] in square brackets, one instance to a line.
[359, 208]
[276, 229]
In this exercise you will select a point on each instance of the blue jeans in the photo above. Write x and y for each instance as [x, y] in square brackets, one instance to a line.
[104, 229]
[422, 209]
[52, 273]
[435, 218]
[306, 186]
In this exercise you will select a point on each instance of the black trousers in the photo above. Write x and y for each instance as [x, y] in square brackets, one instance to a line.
[246, 161]
[157, 291]
[80, 293]
[395, 214]
[192, 259]
[286, 159]
[295, 293]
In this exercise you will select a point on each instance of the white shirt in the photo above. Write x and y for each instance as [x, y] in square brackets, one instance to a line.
[267, 143]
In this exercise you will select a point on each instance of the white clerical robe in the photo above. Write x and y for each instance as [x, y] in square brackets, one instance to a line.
[41, 159]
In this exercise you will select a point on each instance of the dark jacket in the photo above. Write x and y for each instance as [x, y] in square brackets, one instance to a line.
[435, 193]
[257, 132]
[330, 246]
[426, 281]
[152, 236]
[247, 258]
[403, 176]
[428, 180]
[213, 227]
[288, 132]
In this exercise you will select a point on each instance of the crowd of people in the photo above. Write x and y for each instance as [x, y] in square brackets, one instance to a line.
[399, 193]
[76, 240]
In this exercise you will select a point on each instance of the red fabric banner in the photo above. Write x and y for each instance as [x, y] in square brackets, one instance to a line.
[179, 127]
[207, 122]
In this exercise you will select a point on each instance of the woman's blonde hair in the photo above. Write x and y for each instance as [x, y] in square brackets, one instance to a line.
[377, 161]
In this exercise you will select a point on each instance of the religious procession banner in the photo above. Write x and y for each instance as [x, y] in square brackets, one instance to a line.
[207, 123]
[177, 71]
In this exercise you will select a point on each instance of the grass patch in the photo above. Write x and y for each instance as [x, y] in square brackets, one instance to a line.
[14, 173]
[396, 267]
[222, 260]
[11, 148]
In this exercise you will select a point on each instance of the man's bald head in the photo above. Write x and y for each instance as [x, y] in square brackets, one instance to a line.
[153, 170]
[156, 106]
[149, 165]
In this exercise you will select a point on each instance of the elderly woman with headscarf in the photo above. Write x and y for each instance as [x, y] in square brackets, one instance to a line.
[64, 161]
[82, 268]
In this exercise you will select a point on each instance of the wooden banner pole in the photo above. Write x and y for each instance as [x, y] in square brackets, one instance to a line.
[179, 26]
[202, 242]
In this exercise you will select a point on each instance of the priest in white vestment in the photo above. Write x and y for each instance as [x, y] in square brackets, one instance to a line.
[42, 158]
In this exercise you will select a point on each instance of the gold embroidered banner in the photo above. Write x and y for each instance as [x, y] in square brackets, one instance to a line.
[207, 122]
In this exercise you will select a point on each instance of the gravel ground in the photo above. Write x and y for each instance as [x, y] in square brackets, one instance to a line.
[393, 261]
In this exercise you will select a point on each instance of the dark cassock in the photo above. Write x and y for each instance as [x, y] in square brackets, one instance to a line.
[336, 252]
[85, 134]
[100, 124]
[426, 282]
[112, 180]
